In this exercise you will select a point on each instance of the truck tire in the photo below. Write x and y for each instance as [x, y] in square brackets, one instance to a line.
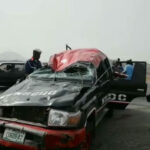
[110, 113]
[90, 133]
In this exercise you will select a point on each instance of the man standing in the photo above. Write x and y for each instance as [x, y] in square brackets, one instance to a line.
[33, 63]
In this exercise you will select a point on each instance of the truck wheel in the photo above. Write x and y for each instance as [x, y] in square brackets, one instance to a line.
[90, 134]
[110, 113]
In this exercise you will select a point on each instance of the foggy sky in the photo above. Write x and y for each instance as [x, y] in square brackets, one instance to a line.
[121, 28]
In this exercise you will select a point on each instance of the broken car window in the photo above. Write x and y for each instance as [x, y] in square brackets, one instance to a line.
[76, 72]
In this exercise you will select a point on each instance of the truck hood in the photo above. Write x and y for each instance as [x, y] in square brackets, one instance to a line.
[33, 92]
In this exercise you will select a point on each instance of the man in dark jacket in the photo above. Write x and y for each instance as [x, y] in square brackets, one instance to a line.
[33, 63]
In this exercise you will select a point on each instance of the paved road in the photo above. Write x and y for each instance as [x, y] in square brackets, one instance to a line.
[128, 129]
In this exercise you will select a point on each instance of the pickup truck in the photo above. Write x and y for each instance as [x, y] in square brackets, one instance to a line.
[59, 106]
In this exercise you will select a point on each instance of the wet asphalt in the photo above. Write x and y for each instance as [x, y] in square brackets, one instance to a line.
[128, 129]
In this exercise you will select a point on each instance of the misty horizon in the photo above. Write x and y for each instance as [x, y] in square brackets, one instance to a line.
[120, 28]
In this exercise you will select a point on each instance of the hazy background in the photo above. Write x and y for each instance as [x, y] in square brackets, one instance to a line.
[121, 28]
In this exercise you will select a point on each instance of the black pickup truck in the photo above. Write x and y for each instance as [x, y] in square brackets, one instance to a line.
[59, 106]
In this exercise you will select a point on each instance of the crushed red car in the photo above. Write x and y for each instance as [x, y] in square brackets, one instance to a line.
[59, 106]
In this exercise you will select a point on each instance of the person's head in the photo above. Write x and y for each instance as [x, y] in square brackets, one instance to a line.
[130, 62]
[36, 54]
[118, 60]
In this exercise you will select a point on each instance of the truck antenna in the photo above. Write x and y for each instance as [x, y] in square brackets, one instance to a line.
[68, 47]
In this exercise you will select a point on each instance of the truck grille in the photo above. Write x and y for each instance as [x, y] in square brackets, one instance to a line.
[28, 113]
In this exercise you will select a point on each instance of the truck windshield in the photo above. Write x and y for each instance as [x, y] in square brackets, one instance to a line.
[76, 72]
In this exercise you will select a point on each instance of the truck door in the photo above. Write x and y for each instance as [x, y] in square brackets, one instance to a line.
[123, 91]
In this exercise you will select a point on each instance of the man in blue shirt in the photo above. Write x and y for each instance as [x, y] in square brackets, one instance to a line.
[33, 63]
[128, 70]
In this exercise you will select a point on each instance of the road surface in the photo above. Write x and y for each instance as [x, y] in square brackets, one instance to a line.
[128, 129]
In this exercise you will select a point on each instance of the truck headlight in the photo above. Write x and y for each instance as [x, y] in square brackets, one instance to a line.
[63, 119]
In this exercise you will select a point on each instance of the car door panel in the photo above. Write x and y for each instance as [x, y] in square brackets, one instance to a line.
[123, 91]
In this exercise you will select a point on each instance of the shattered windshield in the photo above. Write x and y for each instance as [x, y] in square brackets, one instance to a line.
[75, 72]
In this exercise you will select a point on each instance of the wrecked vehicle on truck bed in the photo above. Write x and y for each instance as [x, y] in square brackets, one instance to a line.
[58, 107]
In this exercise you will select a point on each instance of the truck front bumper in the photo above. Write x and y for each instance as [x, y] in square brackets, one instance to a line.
[38, 138]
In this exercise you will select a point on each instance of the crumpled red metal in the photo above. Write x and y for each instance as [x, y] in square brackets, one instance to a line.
[62, 60]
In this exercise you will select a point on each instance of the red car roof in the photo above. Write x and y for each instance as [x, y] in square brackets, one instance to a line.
[64, 59]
